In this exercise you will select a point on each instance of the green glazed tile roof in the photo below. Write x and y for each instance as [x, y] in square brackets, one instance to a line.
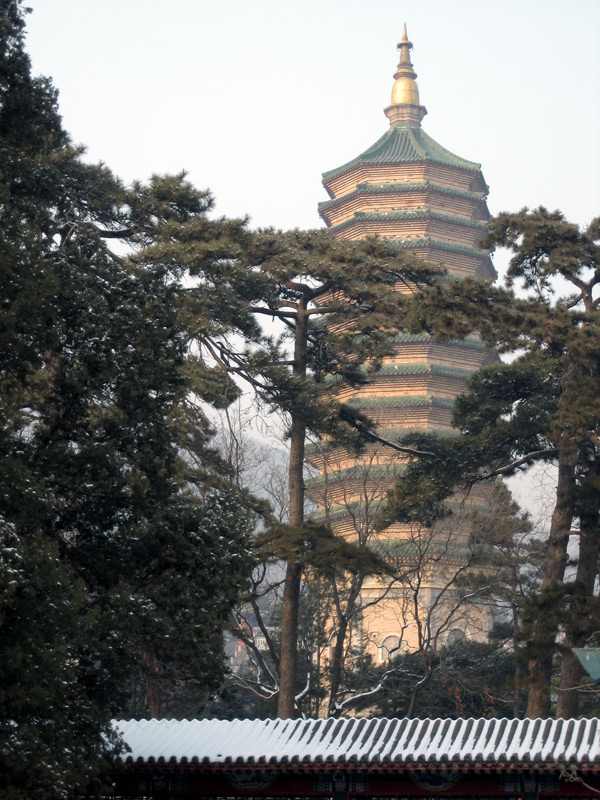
[472, 344]
[394, 188]
[403, 144]
[428, 241]
[414, 401]
[372, 472]
[393, 434]
[356, 508]
[411, 369]
[423, 369]
[408, 548]
[417, 369]
[420, 213]
[411, 338]
[386, 216]
[407, 186]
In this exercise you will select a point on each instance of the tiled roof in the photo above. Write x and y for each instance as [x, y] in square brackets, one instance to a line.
[411, 243]
[371, 471]
[420, 213]
[324, 446]
[355, 509]
[405, 187]
[466, 743]
[436, 244]
[420, 368]
[415, 401]
[397, 433]
[428, 549]
[474, 344]
[423, 369]
[403, 144]
[471, 343]
[411, 369]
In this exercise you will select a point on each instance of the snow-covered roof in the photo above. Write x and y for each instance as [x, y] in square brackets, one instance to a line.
[415, 743]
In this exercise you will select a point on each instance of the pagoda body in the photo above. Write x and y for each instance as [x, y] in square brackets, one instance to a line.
[432, 204]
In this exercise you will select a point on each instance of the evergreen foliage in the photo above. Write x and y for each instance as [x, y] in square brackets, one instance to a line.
[123, 545]
[542, 406]
[469, 679]
[340, 303]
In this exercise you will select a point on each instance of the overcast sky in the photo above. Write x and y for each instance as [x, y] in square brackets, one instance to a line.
[256, 98]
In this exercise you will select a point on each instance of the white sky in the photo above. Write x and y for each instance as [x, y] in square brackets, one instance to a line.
[255, 99]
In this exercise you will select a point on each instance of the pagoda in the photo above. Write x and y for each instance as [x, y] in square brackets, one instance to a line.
[432, 204]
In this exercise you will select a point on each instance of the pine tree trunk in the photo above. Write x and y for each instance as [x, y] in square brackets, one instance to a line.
[545, 629]
[516, 705]
[286, 706]
[336, 666]
[152, 697]
[572, 672]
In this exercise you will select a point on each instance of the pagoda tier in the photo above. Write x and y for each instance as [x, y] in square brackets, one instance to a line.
[434, 210]
[409, 195]
[431, 203]
[422, 159]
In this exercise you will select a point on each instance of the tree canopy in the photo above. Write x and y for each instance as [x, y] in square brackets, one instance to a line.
[339, 302]
[119, 526]
[541, 406]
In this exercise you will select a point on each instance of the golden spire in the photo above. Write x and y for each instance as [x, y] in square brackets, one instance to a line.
[405, 105]
[405, 88]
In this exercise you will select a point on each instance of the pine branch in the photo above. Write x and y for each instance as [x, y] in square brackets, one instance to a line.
[375, 437]
[550, 452]
[275, 312]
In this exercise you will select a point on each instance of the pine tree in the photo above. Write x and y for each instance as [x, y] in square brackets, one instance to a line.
[123, 544]
[547, 248]
[339, 303]
[542, 406]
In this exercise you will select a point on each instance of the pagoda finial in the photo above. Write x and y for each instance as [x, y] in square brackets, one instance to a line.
[405, 105]
[405, 46]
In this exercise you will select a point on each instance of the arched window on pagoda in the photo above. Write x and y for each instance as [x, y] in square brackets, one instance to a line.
[391, 647]
[454, 636]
